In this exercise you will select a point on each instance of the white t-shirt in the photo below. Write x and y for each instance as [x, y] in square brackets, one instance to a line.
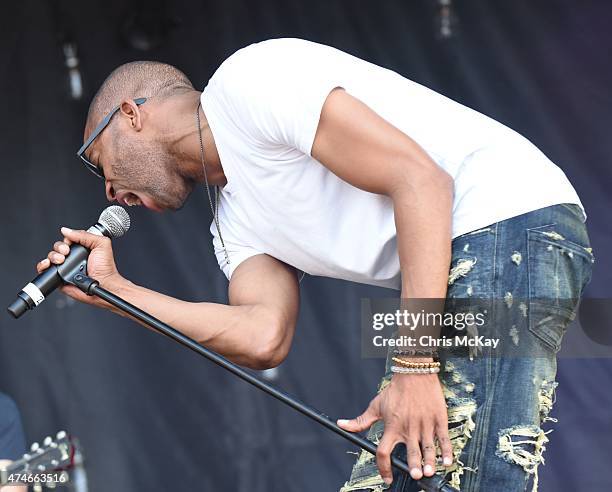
[263, 106]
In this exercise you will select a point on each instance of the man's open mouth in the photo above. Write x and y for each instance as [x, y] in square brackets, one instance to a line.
[128, 199]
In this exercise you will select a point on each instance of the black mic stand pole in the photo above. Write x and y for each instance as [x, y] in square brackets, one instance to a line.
[91, 287]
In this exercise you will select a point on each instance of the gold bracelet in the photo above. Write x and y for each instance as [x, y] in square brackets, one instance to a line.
[404, 361]
[409, 363]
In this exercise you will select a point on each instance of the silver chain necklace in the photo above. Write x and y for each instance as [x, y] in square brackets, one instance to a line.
[214, 208]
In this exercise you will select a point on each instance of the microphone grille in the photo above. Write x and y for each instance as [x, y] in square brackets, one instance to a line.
[116, 220]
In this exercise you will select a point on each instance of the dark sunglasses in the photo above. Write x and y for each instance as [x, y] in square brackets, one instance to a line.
[103, 124]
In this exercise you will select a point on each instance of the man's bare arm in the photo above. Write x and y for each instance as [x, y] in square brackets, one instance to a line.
[255, 330]
[368, 152]
[365, 150]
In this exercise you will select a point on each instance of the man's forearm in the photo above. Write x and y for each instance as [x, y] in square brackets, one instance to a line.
[241, 333]
[423, 212]
[423, 222]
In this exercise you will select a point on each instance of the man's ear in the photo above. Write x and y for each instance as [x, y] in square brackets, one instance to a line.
[130, 110]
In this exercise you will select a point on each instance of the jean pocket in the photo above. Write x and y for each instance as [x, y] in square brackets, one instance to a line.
[471, 272]
[558, 269]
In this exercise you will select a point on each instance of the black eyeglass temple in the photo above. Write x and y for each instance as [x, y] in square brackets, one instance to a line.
[138, 101]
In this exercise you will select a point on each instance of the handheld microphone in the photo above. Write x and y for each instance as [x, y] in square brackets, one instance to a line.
[114, 222]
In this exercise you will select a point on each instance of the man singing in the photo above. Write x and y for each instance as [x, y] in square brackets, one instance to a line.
[328, 165]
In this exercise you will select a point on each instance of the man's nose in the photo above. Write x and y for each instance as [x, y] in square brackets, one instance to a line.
[110, 192]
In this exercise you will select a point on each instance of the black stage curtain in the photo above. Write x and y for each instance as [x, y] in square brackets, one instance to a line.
[153, 416]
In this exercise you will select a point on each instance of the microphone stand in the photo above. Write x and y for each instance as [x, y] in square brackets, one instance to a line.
[91, 287]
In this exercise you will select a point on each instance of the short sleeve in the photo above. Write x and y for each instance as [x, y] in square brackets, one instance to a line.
[236, 251]
[277, 89]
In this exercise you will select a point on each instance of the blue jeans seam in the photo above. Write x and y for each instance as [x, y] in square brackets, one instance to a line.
[540, 227]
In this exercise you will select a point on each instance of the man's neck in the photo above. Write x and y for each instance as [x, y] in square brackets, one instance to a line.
[186, 148]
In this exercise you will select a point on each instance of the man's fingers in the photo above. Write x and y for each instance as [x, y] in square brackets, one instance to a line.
[75, 293]
[61, 247]
[56, 258]
[361, 423]
[87, 239]
[415, 460]
[428, 449]
[445, 443]
[42, 265]
[383, 454]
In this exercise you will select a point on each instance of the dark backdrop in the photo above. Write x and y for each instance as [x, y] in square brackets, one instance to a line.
[153, 416]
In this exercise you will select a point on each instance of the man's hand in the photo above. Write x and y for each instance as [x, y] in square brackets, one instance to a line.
[100, 264]
[413, 409]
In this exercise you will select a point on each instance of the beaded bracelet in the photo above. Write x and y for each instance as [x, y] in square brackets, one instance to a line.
[431, 352]
[415, 370]
[410, 363]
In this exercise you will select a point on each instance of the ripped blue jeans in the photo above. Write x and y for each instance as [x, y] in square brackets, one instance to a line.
[528, 273]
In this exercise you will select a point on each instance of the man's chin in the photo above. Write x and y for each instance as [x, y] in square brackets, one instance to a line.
[152, 204]
[173, 206]
[172, 202]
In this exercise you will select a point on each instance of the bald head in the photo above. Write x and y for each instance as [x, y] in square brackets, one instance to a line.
[132, 80]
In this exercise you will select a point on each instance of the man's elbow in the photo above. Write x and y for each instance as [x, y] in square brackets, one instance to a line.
[426, 177]
[268, 356]
[445, 181]
[270, 351]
